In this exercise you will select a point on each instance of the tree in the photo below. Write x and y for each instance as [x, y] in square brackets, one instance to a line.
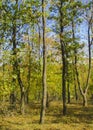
[44, 86]
[84, 90]
[63, 49]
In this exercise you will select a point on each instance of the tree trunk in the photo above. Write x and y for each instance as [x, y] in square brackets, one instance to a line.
[29, 72]
[22, 101]
[68, 90]
[63, 61]
[84, 92]
[47, 101]
[75, 85]
[22, 90]
[44, 90]
[12, 98]
[85, 100]
[16, 68]
[26, 97]
[76, 94]
[14, 61]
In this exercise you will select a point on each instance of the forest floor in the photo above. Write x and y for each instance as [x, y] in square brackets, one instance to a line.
[77, 118]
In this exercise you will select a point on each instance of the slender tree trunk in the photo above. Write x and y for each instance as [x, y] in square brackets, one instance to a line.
[27, 96]
[39, 58]
[75, 81]
[12, 95]
[29, 72]
[85, 100]
[63, 60]
[47, 101]
[89, 67]
[68, 90]
[44, 91]
[39, 41]
[16, 69]
[84, 92]
[75, 64]
[22, 101]
[76, 94]
[3, 76]
[67, 75]
[12, 99]
[22, 90]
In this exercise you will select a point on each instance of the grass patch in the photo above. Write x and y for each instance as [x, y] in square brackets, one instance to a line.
[77, 118]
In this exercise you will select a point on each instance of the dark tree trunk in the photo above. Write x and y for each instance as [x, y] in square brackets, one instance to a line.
[76, 94]
[44, 89]
[63, 60]
[75, 59]
[22, 90]
[12, 98]
[67, 75]
[68, 90]
[47, 101]
[16, 68]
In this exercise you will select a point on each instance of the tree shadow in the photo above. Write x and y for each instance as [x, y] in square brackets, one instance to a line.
[75, 114]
